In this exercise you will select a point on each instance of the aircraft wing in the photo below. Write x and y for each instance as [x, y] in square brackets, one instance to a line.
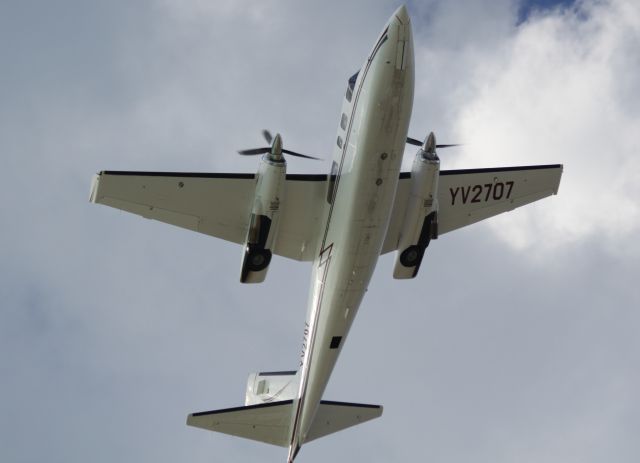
[469, 195]
[216, 204]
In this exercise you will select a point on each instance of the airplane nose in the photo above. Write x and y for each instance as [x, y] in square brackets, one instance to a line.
[399, 31]
[401, 15]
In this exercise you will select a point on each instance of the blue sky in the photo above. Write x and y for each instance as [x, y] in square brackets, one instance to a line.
[527, 8]
[518, 340]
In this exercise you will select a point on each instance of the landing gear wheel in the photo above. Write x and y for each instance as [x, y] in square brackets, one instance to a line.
[258, 259]
[410, 256]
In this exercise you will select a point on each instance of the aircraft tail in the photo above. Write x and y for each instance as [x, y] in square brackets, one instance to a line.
[271, 422]
[269, 408]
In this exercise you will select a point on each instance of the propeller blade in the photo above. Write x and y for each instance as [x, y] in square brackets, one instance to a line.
[275, 144]
[413, 141]
[293, 153]
[254, 151]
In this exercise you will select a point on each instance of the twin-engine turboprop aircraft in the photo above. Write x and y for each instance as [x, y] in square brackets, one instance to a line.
[341, 222]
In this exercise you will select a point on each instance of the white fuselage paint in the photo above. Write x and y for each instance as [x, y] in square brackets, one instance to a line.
[367, 169]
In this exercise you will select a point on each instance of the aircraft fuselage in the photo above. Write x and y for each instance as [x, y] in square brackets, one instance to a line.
[365, 172]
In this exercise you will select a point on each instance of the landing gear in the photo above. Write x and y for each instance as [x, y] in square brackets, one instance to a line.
[257, 259]
[411, 256]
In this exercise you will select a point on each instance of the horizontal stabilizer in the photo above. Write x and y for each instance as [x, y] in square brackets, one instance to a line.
[336, 416]
[268, 423]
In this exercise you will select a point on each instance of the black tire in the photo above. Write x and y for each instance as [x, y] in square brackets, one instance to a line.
[411, 256]
[258, 259]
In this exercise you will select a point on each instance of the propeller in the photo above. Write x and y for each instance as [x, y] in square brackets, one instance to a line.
[267, 135]
[428, 147]
[416, 142]
[275, 149]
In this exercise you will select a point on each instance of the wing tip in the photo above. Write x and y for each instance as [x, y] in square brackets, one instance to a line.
[95, 183]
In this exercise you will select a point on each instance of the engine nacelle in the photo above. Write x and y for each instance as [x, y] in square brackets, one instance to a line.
[265, 215]
[420, 223]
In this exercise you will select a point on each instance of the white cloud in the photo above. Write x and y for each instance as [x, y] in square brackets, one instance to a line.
[564, 92]
[112, 322]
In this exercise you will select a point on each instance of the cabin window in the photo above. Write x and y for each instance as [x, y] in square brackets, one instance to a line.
[339, 141]
[350, 87]
[343, 121]
[335, 342]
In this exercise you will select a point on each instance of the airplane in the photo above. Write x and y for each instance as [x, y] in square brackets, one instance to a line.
[341, 222]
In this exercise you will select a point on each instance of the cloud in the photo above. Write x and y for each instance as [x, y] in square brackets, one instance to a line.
[560, 91]
[113, 328]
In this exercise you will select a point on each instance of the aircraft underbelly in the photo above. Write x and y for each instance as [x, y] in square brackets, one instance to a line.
[358, 217]
[354, 238]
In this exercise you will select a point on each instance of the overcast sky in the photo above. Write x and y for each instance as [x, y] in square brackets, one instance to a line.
[519, 339]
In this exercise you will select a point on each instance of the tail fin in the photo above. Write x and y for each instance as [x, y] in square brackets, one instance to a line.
[271, 386]
[269, 423]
